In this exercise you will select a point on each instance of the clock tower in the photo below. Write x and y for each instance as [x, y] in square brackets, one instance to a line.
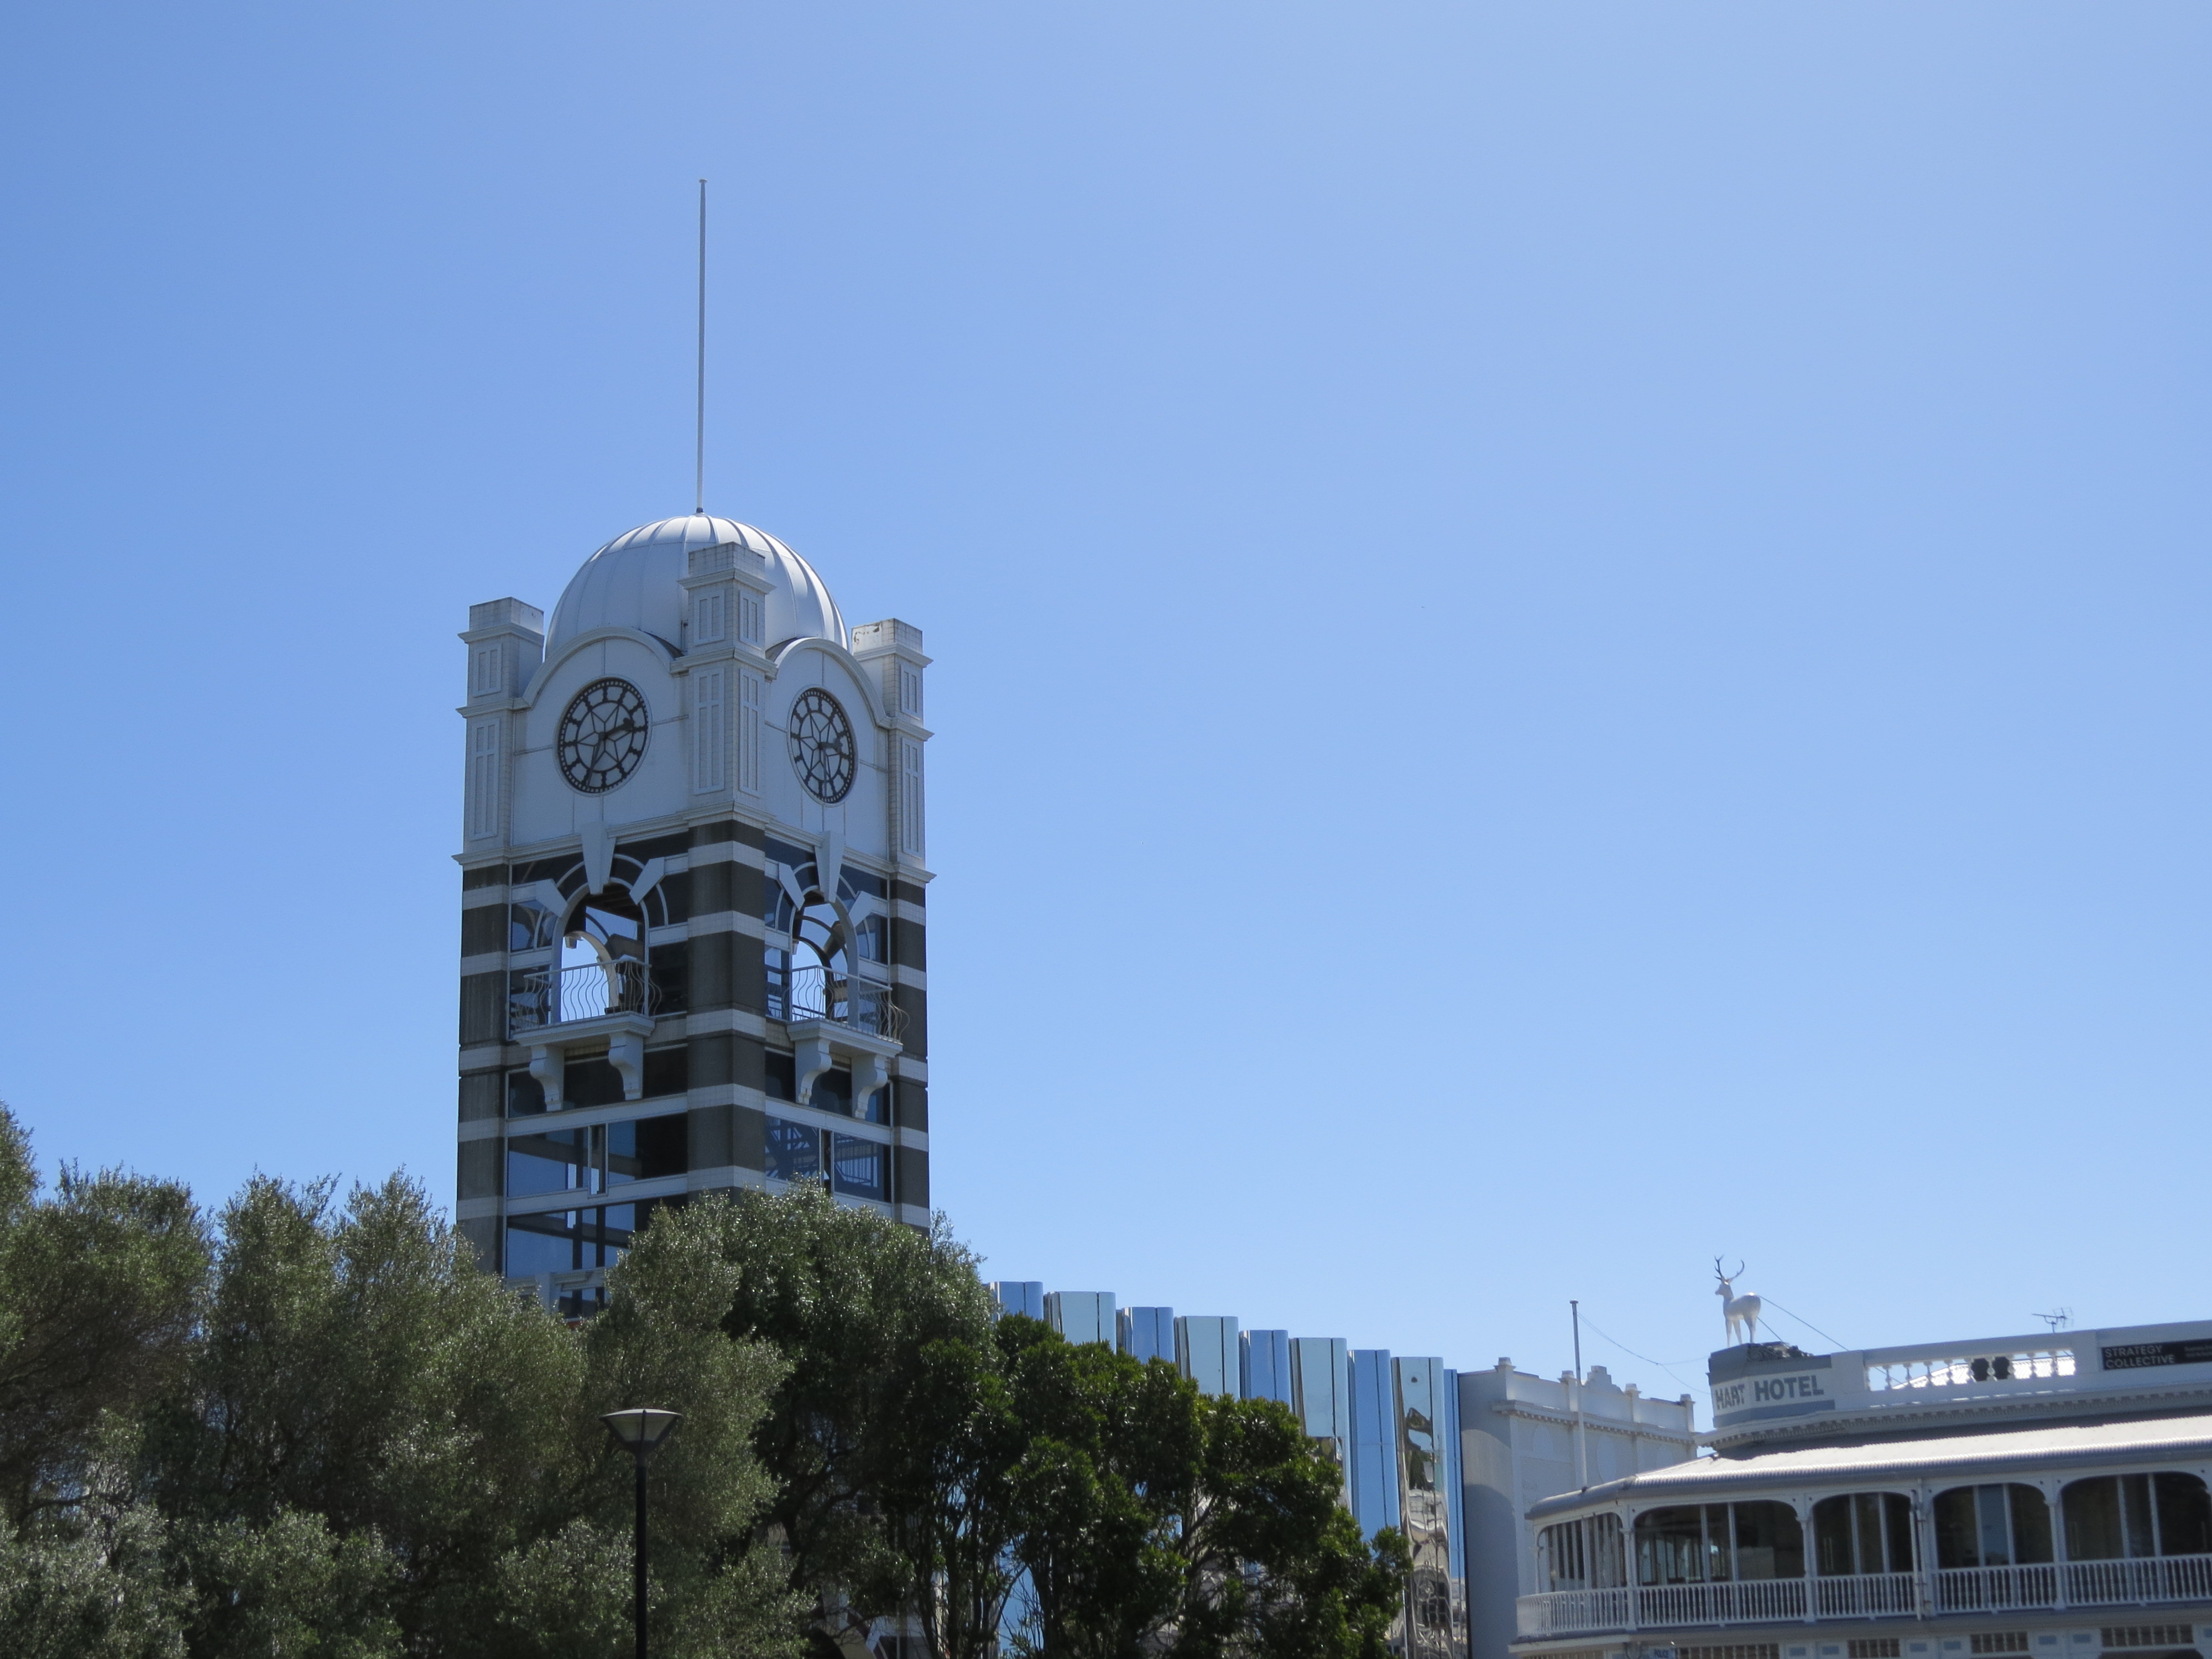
[692, 902]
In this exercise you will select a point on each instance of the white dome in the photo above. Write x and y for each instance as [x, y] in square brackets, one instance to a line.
[632, 582]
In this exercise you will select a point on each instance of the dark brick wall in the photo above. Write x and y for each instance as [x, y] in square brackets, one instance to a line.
[912, 1176]
[909, 947]
[725, 1057]
[910, 1103]
[483, 928]
[480, 1095]
[748, 1138]
[483, 1008]
[915, 1002]
[710, 1137]
[484, 875]
[482, 1235]
[479, 1170]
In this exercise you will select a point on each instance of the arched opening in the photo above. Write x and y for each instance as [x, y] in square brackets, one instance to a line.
[602, 963]
[1863, 1532]
[2113, 1518]
[1992, 1526]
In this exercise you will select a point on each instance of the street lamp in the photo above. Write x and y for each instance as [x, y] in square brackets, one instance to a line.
[641, 1429]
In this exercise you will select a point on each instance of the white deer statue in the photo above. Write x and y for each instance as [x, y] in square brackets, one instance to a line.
[1741, 1312]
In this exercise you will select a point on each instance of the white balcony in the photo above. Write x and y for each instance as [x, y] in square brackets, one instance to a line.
[2157, 1581]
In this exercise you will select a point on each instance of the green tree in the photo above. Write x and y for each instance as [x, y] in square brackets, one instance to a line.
[97, 1285]
[850, 1299]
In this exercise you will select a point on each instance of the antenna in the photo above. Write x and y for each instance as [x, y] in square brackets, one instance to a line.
[699, 461]
[2058, 1321]
[1581, 1458]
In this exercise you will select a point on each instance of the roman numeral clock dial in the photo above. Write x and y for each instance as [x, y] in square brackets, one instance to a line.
[602, 736]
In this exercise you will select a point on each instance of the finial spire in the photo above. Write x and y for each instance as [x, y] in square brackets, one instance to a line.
[699, 459]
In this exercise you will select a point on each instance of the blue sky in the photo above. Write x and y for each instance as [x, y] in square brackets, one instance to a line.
[1569, 636]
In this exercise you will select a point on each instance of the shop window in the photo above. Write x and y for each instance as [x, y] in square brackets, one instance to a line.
[861, 1168]
[794, 1151]
[2114, 1517]
[1702, 1543]
[1992, 1526]
[1864, 1532]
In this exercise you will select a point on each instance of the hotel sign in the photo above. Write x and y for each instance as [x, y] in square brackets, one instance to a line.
[2136, 1356]
[1796, 1389]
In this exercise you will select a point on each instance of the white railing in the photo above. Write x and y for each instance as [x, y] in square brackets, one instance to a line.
[1993, 1590]
[2150, 1581]
[1564, 1611]
[1867, 1595]
[2154, 1578]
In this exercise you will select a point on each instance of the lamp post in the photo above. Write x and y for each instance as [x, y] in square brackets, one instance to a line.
[641, 1429]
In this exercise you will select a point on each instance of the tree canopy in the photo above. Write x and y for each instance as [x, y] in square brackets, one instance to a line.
[309, 1425]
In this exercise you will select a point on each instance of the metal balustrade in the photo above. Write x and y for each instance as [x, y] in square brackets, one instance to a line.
[556, 996]
[2149, 1581]
[816, 993]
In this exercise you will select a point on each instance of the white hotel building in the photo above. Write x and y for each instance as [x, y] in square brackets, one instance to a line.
[2040, 1496]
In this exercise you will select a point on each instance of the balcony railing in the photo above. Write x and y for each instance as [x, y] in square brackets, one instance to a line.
[556, 996]
[2148, 1582]
[814, 992]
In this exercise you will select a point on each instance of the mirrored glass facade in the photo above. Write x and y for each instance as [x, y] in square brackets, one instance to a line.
[1206, 1351]
[1264, 1366]
[1146, 1332]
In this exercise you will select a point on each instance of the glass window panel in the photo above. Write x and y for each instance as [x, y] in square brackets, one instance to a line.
[1897, 1509]
[1769, 1542]
[862, 1167]
[667, 1071]
[592, 1082]
[556, 1162]
[540, 1244]
[2091, 1511]
[1719, 1553]
[794, 1151]
[1831, 1537]
[1866, 1530]
[1670, 1546]
[525, 1094]
[2184, 1515]
[1957, 1532]
[782, 1076]
[875, 1109]
[1608, 1571]
[2031, 1526]
[833, 1093]
[1994, 1534]
[2135, 1509]
[647, 1148]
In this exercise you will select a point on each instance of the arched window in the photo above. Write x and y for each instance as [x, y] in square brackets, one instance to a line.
[1992, 1526]
[1585, 1554]
[1863, 1532]
[1701, 1543]
[2114, 1516]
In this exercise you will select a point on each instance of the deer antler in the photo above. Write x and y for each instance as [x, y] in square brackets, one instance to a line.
[1738, 1273]
[1717, 1273]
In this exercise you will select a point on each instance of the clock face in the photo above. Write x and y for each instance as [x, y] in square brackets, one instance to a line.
[602, 736]
[822, 749]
